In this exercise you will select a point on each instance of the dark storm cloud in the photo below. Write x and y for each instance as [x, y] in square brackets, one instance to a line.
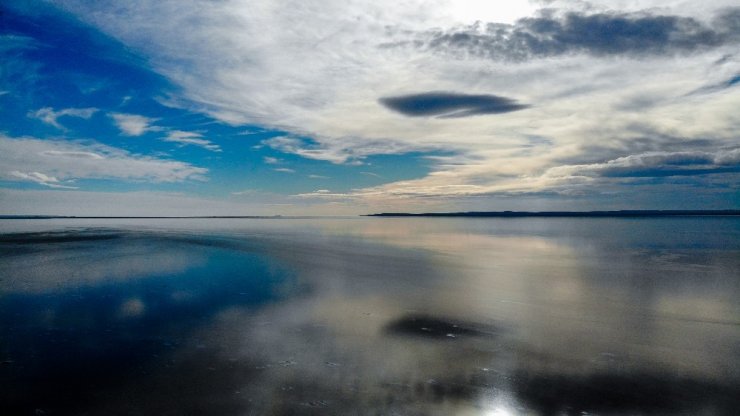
[450, 104]
[601, 34]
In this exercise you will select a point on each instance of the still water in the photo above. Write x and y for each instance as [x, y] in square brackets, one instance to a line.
[370, 316]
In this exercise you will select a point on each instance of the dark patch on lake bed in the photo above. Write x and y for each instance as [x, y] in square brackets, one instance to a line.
[427, 326]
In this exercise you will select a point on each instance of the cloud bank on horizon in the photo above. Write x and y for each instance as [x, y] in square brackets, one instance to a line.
[312, 104]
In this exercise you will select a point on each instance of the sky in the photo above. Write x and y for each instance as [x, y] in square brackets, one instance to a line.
[344, 107]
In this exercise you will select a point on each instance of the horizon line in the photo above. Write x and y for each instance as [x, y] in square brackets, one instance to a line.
[596, 213]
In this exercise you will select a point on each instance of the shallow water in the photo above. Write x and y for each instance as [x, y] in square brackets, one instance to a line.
[413, 316]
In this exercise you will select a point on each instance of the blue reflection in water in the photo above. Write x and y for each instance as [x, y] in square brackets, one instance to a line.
[62, 341]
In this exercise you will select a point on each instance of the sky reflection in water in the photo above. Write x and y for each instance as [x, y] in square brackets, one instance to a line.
[370, 316]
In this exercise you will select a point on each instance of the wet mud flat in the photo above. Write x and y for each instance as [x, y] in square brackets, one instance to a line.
[101, 321]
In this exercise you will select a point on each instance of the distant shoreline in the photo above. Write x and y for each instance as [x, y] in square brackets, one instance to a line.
[571, 214]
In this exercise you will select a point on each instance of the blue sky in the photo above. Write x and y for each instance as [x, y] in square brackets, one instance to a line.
[257, 108]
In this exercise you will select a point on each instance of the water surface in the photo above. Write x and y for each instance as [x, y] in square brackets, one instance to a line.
[413, 316]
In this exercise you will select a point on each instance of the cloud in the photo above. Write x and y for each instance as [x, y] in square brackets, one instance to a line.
[49, 116]
[657, 164]
[246, 192]
[53, 162]
[305, 149]
[718, 170]
[610, 33]
[285, 170]
[602, 74]
[81, 155]
[450, 104]
[133, 124]
[352, 151]
[318, 177]
[325, 194]
[186, 138]
[41, 179]
[371, 174]
[271, 160]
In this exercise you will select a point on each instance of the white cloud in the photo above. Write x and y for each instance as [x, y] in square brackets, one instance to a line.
[41, 179]
[53, 163]
[246, 192]
[133, 124]
[271, 160]
[49, 116]
[83, 155]
[466, 11]
[190, 138]
[317, 68]
[286, 170]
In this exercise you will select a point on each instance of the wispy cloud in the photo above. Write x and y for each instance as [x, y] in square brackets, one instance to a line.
[285, 170]
[246, 192]
[656, 164]
[327, 195]
[133, 124]
[305, 149]
[375, 175]
[41, 179]
[54, 162]
[50, 116]
[186, 138]
[271, 160]
[73, 154]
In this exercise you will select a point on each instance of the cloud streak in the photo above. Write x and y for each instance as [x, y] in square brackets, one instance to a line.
[53, 163]
[186, 138]
[657, 164]
[41, 179]
[49, 116]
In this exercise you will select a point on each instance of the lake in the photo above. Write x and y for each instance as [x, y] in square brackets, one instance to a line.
[370, 316]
